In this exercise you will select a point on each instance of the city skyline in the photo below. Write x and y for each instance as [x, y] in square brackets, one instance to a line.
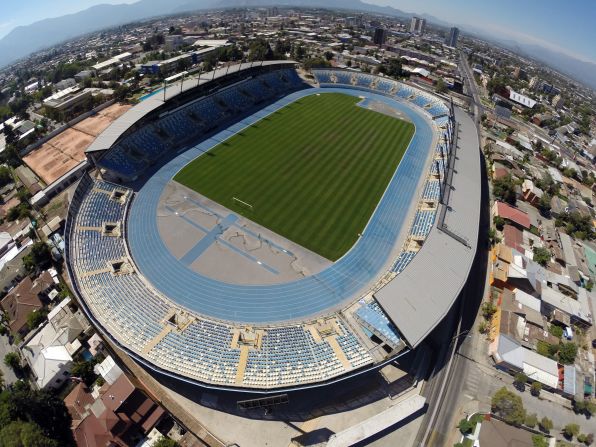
[530, 22]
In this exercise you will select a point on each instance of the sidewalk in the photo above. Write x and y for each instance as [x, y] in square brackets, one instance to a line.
[8, 373]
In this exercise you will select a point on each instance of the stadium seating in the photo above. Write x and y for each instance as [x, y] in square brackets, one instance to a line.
[432, 190]
[288, 355]
[363, 80]
[402, 261]
[323, 77]
[385, 86]
[373, 318]
[405, 91]
[423, 222]
[420, 100]
[118, 161]
[344, 77]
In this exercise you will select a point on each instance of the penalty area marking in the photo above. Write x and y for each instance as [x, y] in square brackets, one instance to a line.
[242, 202]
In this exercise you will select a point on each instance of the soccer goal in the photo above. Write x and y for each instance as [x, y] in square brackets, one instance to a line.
[242, 203]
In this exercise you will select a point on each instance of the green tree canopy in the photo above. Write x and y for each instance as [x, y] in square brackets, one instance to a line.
[508, 406]
[504, 189]
[541, 256]
[24, 434]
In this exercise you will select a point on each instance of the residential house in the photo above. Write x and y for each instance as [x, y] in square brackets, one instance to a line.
[50, 349]
[531, 193]
[511, 214]
[120, 416]
[25, 298]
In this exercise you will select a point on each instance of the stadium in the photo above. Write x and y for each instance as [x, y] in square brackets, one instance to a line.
[254, 229]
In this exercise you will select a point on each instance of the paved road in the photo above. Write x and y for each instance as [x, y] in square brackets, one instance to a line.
[445, 387]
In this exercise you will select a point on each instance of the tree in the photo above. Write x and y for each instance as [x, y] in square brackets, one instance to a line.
[316, 62]
[260, 50]
[541, 256]
[586, 407]
[570, 430]
[35, 318]
[531, 420]
[12, 360]
[42, 408]
[84, 370]
[24, 434]
[544, 204]
[465, 426]
[499, 222]
[493, 239]
[567, 353]
[5, 176]
[586, 439]
[441, 87]
[39, 257]
[546, 425]
[508, 406]
[504, 189]
[520, 380]
[555, 330]
[535, 389]
[165, 442]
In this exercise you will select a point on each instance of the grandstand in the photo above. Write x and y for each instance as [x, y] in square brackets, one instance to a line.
[321, 328]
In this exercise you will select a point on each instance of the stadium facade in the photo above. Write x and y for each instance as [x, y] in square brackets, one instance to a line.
[374, 304]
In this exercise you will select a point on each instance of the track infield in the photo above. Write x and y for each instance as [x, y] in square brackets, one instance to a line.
[312, 172]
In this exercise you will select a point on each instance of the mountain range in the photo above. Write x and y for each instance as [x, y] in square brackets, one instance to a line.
[24, 40]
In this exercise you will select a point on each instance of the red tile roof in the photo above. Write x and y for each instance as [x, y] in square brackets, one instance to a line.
[513, 237]
[513, 214]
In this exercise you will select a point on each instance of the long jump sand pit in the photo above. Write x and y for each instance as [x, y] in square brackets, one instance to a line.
[62, 153]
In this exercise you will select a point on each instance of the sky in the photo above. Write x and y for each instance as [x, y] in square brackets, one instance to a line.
[568, 26]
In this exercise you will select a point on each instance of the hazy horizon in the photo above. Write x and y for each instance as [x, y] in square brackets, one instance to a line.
[545, 23]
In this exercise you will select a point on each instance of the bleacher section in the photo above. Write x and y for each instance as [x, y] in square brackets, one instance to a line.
[426, 102]
[423, 222]
[135, 313]
[372, 317]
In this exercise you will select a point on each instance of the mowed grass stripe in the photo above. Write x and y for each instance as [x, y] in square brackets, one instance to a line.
[314, 171]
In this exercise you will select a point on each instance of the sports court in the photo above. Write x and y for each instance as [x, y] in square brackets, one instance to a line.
[66, 150]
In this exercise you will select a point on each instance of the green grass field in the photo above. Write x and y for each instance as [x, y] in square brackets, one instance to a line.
[313, 171]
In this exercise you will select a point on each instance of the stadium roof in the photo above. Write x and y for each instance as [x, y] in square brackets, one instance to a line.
[109, 136]
[413, 302]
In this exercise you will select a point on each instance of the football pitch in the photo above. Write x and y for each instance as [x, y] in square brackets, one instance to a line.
[312, 172]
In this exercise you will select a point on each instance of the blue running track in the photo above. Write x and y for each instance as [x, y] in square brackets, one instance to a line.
[308, 296]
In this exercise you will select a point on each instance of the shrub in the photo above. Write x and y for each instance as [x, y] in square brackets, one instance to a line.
[488, 310]
[531, 420]
[571, 430]
[539, 441]
[536, 388]
[520, 379]
[555, 330]
[541, 256]
[546, 425]
[567, 353]
[465, 426]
